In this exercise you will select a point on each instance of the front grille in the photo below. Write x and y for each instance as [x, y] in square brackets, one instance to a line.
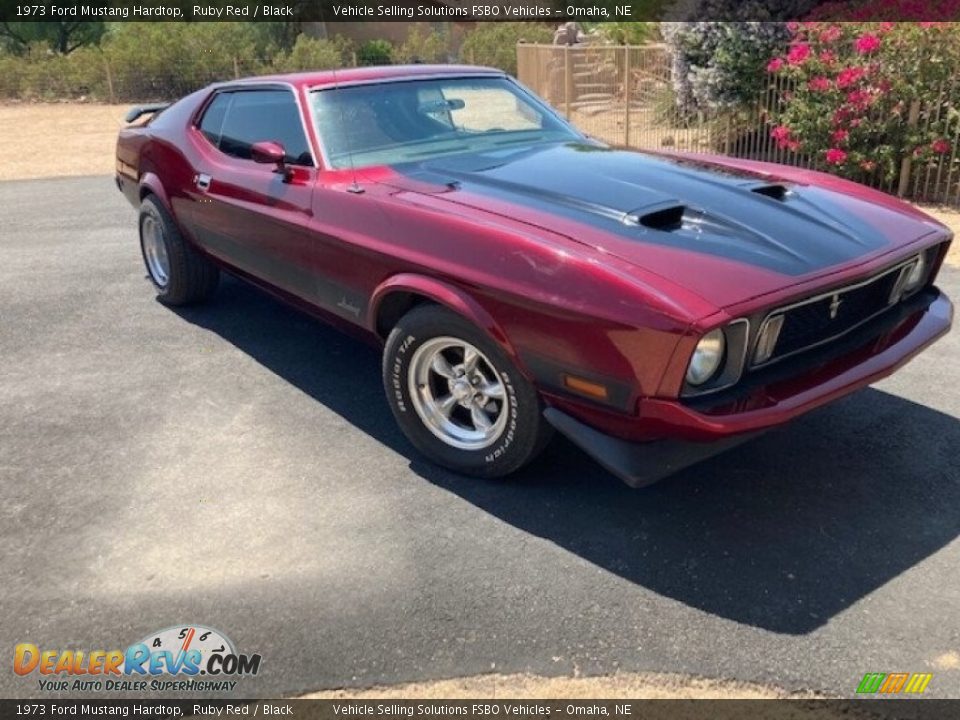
[828, 316]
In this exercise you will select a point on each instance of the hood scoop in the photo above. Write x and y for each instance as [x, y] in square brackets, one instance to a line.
[708, 229]
[777, 192]
[667, 219]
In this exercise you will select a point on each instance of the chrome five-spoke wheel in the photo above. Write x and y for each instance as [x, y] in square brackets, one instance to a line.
[155, 251]
[458, 393]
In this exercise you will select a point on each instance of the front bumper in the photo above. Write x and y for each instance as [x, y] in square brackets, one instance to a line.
[638, 464]
[695, 431]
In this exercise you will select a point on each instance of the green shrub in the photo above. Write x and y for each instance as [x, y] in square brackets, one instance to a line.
[41, 74]
[309, 53]
[425, 47]
[11, 75]
[495, 44]
[159, 61]
[375, 52]
[629, 33]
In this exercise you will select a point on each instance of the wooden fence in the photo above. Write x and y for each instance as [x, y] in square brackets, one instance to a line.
[623, 95]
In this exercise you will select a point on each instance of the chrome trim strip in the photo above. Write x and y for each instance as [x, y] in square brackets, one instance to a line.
[783, 309]
[336, 83]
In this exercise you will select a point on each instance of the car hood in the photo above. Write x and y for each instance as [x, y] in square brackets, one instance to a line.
[728, 235]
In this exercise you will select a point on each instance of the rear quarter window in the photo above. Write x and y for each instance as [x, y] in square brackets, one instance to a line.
[211, 124]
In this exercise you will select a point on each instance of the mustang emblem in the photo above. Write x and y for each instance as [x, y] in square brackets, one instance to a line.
[835, 306]
[349, 307]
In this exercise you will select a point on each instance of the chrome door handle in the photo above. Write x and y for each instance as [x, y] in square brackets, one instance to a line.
[203, 181]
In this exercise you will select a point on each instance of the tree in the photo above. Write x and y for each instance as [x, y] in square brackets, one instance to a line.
[62, 36]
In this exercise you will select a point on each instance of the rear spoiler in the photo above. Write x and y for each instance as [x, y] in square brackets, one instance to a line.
[141, 110]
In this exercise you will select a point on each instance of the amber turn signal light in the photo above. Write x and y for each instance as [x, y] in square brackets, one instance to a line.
[585, 387]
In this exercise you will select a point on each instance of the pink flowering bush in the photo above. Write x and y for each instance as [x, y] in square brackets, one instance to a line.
[847, 90]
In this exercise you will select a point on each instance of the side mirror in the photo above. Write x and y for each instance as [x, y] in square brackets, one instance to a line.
[268, 152]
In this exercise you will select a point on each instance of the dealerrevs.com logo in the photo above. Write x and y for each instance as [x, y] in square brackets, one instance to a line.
[180, 658]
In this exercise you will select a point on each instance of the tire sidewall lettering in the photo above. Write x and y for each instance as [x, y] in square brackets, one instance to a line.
[513, 408]
[397, 367]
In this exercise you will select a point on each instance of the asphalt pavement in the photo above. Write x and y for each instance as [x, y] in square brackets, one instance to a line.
[236, 465]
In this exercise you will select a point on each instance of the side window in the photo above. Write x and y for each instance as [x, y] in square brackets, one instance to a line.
[211, 124]
[262, 115]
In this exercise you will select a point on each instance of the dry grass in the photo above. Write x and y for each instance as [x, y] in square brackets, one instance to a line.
[58, 139]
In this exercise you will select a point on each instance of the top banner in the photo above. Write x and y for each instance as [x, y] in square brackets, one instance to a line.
[549, 11]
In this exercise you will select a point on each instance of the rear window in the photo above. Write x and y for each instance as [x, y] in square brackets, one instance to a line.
[235, 120]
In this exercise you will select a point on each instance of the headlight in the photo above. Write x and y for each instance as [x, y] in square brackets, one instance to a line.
[707, 357]
[917, 274]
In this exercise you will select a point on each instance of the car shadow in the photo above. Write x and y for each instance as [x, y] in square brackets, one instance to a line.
[782, 533]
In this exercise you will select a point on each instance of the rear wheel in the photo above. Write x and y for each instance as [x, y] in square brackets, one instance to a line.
[179, 273]
[458, 398]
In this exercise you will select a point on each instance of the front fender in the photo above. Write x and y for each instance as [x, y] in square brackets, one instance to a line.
[443, 293]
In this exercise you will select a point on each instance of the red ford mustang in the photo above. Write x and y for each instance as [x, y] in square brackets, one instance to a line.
[655, 309]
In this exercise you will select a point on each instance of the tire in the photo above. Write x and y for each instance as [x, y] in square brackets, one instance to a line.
[441, 404]
[179, 273]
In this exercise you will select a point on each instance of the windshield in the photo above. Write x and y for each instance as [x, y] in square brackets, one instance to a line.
[397, 122]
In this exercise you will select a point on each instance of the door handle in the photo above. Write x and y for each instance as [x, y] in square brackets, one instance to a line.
[203, 181]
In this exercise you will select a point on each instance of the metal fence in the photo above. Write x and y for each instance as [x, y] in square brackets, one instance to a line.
[623, 95]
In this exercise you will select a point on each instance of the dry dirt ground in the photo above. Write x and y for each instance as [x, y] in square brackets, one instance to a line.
[636, 686]
[58, 139]
[81, 139]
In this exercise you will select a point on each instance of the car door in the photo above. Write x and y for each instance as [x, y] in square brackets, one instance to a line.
[255, 217]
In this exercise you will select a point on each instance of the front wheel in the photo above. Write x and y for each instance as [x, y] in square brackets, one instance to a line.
[458, 398]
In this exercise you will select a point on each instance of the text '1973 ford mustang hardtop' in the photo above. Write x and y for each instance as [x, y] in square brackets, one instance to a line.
[522, 277]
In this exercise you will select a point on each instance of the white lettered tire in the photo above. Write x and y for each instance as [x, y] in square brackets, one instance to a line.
[457, 396]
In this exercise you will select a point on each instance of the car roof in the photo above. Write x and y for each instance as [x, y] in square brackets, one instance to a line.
[319, 78]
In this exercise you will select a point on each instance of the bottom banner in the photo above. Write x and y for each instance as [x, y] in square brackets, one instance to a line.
[486, 709]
